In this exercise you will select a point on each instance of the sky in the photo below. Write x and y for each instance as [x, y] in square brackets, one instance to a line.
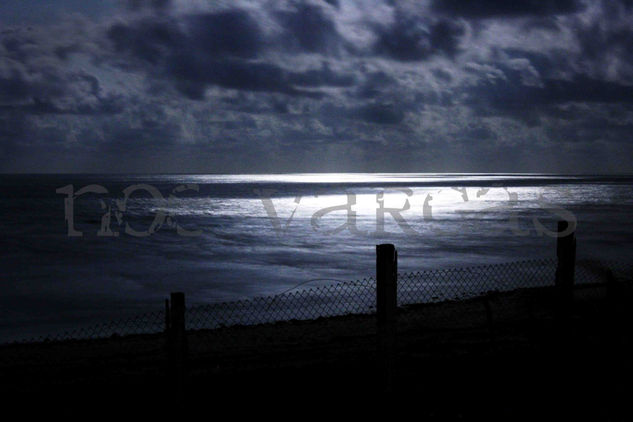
[274, 86]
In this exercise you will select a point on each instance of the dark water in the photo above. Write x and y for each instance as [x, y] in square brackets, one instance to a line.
[222, 241]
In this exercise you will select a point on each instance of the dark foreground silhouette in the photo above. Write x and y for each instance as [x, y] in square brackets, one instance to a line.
[510, 355]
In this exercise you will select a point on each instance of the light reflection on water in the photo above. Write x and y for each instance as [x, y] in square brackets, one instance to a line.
[241, 253]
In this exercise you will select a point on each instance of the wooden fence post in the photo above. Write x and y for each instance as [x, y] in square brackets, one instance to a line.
[565, 270]
[386, 283]
[167, 318]
[386, 308]
[177, 344]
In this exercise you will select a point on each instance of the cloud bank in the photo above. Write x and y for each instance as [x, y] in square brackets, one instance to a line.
[278, 86]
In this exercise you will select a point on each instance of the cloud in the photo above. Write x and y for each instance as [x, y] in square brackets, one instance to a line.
[231, 33]
[384, 114]
[153, 4]
[411, 39]
[526, 97]
[225, 49]
[308, 28]
[193, 75]
[375, 113]
[37, 106]
[374, 85]
[146, 40]
[13, 85]
[324, 76]
[503, 8]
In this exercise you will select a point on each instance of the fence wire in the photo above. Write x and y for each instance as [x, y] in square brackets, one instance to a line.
[352, 298]
[475, 298]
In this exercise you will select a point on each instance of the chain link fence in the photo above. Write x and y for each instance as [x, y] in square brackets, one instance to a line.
[225, 336]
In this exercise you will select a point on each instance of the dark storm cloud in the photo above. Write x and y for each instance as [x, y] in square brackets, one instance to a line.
[410, 39]
[383, 114]
[375, 84]
[324, 76]
[230, 33]
[192, 75]
[156, 136]
[583, 89]
[17, 86]
[51, 91]
[511, 97]
[308, 28]
[37, 106]
[597, 127]
[505, 8]
[35, 79]
[223, 48]
[147, 40]
[13, 127]
[375, 113]
[179, 86]
[442, 74]
[154, 4]
[597, 42]
[228, 49]
[518, 88]
[13, 86]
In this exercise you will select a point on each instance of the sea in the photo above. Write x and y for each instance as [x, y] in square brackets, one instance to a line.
[80, 249]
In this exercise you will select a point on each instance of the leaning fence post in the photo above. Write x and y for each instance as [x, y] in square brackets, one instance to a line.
[386, 308]
[566, 254]
[177, 343]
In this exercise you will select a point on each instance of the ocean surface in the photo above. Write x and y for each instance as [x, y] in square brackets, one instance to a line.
[80, 249]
